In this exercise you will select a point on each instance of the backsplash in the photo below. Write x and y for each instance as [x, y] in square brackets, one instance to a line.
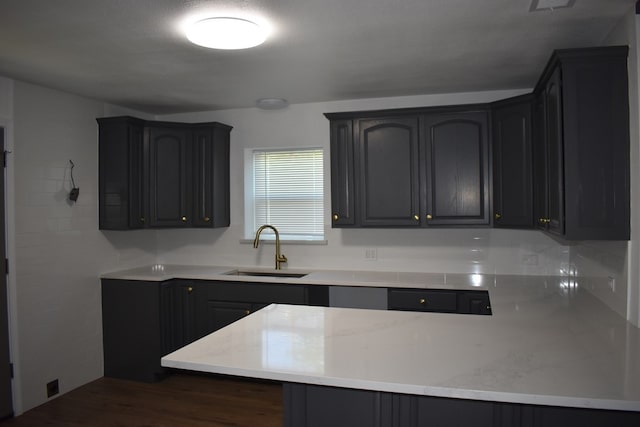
[489, 251]
[601, 268]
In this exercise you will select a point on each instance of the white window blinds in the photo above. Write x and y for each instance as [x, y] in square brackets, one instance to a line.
[288, 192]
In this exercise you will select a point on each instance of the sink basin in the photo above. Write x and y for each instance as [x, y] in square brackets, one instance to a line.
[266, 274]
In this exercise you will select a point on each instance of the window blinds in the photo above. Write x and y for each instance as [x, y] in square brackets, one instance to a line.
[288, 192]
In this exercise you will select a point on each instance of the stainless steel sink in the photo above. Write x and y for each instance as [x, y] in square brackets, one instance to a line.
[266, 274]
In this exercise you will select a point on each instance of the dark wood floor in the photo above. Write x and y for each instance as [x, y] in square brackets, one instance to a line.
[179, 400]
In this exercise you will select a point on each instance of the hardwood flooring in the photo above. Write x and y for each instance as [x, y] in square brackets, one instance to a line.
[180, 400]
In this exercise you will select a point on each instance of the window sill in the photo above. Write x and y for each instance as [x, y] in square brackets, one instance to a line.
[287, 242]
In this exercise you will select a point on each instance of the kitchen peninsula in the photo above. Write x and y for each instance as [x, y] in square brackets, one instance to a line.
[550, 354]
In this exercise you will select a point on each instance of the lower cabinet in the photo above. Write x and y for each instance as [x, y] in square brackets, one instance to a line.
[440, 301]
[133, 325]
[319, 406]
[143, 321]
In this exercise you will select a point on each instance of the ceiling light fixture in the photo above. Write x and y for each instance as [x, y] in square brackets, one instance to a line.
[538, 5]
[271, 103]
[226, 33]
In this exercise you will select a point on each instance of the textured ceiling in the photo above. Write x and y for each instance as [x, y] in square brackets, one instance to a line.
[133, 52]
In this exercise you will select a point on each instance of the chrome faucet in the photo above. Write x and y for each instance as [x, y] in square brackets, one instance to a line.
[280, 258]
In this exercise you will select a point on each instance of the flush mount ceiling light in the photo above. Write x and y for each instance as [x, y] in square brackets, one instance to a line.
[537, 5]
[271, 103]
[226, 33]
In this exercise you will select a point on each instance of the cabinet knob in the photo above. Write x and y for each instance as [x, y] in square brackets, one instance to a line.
[142, 219]
[247, 312]
[429, 216]
[416, 217]
[544, 220]
[423, 301]
[335, 217]
[497, 215]
[184, 219]
[190, 289]
[206, 219]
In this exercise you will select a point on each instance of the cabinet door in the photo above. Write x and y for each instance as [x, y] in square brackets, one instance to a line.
[342, 173]
[388, 171]
[540, 164]
[555, 154]
[512, 172]
[169, 178]
[210, 177]
[131, 329]
[223, 313]
[456, 168]
[181, 323]
[122, 198]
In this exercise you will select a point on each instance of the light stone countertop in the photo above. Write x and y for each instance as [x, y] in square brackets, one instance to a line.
[548, 342]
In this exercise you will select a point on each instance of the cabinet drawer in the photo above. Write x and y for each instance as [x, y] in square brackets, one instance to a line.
[256, 292]
[420, 300]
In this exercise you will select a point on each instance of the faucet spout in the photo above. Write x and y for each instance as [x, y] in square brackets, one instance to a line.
[280, 258]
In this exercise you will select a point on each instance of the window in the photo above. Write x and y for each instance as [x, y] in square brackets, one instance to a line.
[284, 188]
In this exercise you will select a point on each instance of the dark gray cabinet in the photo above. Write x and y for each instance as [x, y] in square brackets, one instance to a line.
[513, 162]
[312, 405]
[122, 182]
[169, 176]
[560, 157]
[456, 169]
[163, 174]
[132, 329]
[388, 176]
[342, 174]
[410, 168]
[439, 301]
[582, 145]
[226, 302]
[143, 321]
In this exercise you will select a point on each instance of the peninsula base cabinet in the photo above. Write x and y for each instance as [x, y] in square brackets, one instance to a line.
[319, 406]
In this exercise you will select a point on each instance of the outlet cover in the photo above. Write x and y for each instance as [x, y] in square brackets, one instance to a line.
[52, 388]
[371, 254]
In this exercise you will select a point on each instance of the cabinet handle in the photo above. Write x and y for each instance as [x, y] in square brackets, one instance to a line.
[206, 219]
[184, 219]
[335, 217]
[416, 217]
[497, 215]
[429, 216]
[190, 289]
[423, 301]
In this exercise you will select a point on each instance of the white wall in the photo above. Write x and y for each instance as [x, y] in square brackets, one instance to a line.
[56, 249]
[438, 250]
[598, 265]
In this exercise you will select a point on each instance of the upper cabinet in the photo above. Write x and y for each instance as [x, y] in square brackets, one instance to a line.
[415, 168]
[582, 145]
[163, 174]
[512, 162]
[455, 153]
[387, 159]
[557, 159]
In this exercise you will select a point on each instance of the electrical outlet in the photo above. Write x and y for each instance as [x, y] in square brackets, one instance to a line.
[52, 388]
[371, 254]
[612, 283]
